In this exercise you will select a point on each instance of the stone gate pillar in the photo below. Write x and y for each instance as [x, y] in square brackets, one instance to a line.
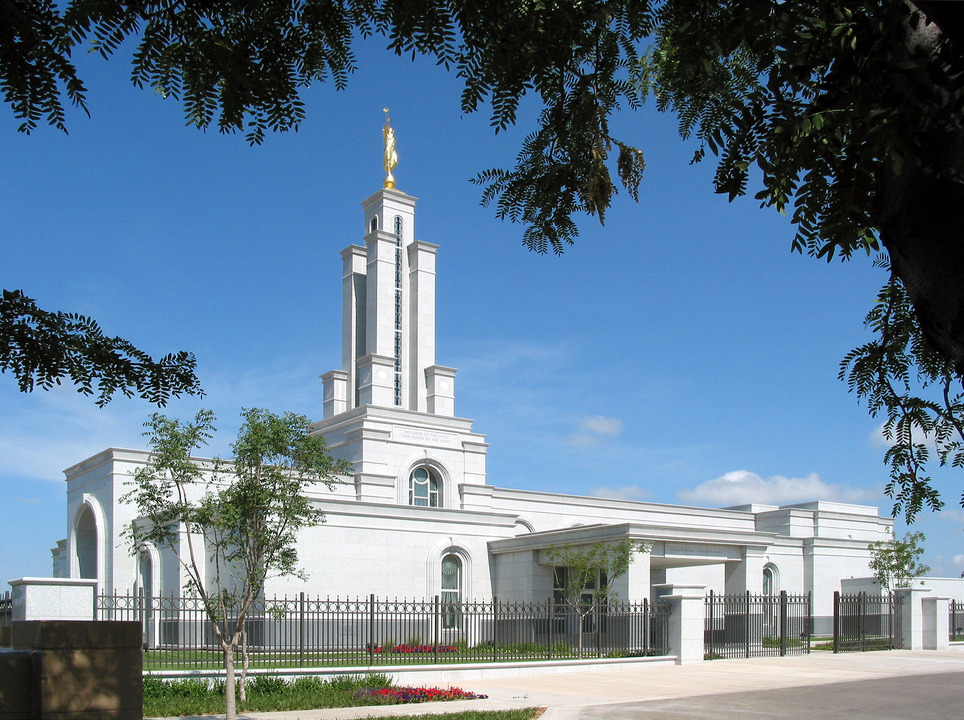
[686, 620]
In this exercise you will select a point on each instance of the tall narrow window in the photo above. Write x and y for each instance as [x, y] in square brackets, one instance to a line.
[451, 591]
[771, 607]
[768, 581]
[423, 488]
[145, 573]
[398, 310]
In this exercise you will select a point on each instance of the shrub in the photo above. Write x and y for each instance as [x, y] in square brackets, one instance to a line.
[156, 687]
[307, 684]
[267, 684]
[526, 648]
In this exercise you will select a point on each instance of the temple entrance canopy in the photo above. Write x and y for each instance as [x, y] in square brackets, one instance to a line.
[520, 566]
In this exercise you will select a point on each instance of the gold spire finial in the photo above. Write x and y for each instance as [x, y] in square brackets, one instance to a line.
[391, 156]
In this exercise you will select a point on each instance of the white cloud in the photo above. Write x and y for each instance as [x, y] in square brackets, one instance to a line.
[44, 432]
[594, 429]
[958, 560]
[512, 361]
[741, 487]
[630, 492]
[954, 515]
[878, 439]
[603, 425]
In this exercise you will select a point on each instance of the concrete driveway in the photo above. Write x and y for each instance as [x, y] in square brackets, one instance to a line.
[910, 685]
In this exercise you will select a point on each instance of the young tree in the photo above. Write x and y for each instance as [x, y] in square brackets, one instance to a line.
[894, 562]
[585, 575]
[242, 516]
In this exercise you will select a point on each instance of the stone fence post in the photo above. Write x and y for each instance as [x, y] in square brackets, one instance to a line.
[53, 599]
[64, 665]
[923, 619]
[686, 620]
[934, 616]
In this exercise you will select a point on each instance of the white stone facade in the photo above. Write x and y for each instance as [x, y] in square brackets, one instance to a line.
[419, 492]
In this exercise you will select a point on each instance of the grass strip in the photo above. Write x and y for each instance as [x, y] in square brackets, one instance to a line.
[270, 693]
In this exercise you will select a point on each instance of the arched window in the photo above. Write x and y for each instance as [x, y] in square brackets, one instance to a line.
[423, 488]
[769, 586]
[145, 573]
[451, 591]
[771, 603]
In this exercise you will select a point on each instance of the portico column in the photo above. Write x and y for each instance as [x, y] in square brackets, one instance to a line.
[638, 578]
[747, 574]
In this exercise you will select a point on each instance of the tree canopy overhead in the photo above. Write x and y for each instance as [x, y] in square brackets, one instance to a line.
[40, 348]
[848, 116]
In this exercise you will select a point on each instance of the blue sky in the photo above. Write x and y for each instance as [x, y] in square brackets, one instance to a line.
[680, 354]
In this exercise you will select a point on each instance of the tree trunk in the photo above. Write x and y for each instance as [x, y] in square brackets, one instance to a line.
[230, 701]
[581, 618]
[920, 212]
[923, 230]
[243, 683]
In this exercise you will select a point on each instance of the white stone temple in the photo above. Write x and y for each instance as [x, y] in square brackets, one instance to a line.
[419, 518]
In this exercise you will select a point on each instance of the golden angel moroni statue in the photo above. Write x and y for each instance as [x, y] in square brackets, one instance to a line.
[391, 156]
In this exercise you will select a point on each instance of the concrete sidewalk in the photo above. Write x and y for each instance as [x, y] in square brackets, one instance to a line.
[566, 696]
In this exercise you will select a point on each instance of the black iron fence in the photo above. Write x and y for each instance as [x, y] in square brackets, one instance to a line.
[955, 621]
[866, 622]
[747, 625]
[6, 609]
[316, 632]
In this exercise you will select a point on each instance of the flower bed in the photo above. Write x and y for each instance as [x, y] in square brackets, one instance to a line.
[404, 648]
[397, 695]
[423, 649]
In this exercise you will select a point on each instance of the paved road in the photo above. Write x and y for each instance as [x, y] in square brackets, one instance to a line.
[905, 685]
[918, 697]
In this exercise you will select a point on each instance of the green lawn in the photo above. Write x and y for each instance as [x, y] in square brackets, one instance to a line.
[213, 660]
